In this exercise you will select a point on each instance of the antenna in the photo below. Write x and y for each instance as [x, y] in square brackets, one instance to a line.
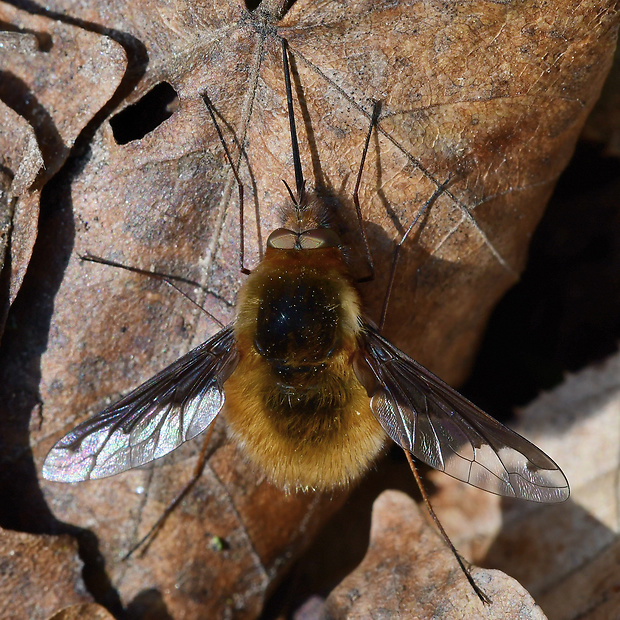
[299, 175]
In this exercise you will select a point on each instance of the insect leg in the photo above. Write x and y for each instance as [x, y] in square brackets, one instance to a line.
[440, 189]
[479, 592]
[167, 278]
[299, 177]
[242, 267]
[376, 110]
[147, 539]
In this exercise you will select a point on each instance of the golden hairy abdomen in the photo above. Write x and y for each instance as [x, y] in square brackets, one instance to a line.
[320, 432]
[301, 451]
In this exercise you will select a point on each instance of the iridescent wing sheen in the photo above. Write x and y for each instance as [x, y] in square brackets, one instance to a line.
[170, 408]
[441, 428]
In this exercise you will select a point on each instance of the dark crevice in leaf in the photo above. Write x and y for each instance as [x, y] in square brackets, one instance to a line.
[23, 507]
[565, 312]
[95, 575]
[274, 10]
[144, 116]
[149, 604]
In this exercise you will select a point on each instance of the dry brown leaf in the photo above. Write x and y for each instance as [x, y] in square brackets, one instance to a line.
[409, 572]
[494, 94]
[570, 572]
[87, 611]
[565, 555]
[55, 77]
[20, 161]
[20, 153]
[38, 574]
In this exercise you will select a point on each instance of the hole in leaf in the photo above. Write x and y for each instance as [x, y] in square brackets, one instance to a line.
[144, 116]
[273, 8]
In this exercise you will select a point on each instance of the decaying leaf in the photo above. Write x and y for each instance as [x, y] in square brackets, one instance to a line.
[20, 162]
[55, 77]
[409, 572]
[38, 575]
[86, 611]
[570, 573]
[565, 555]
[493, 94]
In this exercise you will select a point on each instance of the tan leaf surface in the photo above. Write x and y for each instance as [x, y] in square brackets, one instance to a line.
[20, 161]
[20, 152]
[56, 77]
[494, 94]
[409, 572]
[87, 611]
[565, 555]
[38, 574]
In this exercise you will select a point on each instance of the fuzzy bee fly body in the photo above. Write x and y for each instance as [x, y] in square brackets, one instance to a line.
[295, 403]
[309, 387]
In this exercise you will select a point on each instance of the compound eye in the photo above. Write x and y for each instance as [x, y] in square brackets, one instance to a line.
[282, 239]
[319, 238]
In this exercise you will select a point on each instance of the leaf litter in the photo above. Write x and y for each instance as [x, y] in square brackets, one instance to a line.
[494, 94]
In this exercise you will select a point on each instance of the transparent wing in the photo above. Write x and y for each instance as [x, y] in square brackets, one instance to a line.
[170, 408]
[443, 429]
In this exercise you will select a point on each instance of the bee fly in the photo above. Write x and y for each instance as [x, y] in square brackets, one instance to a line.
[309, 387]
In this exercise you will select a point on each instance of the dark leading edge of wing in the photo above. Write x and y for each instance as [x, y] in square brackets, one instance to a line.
[170, 408]
[443, 429]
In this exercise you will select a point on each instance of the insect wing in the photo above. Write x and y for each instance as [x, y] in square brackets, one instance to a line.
[170, 408]
[441, 428]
